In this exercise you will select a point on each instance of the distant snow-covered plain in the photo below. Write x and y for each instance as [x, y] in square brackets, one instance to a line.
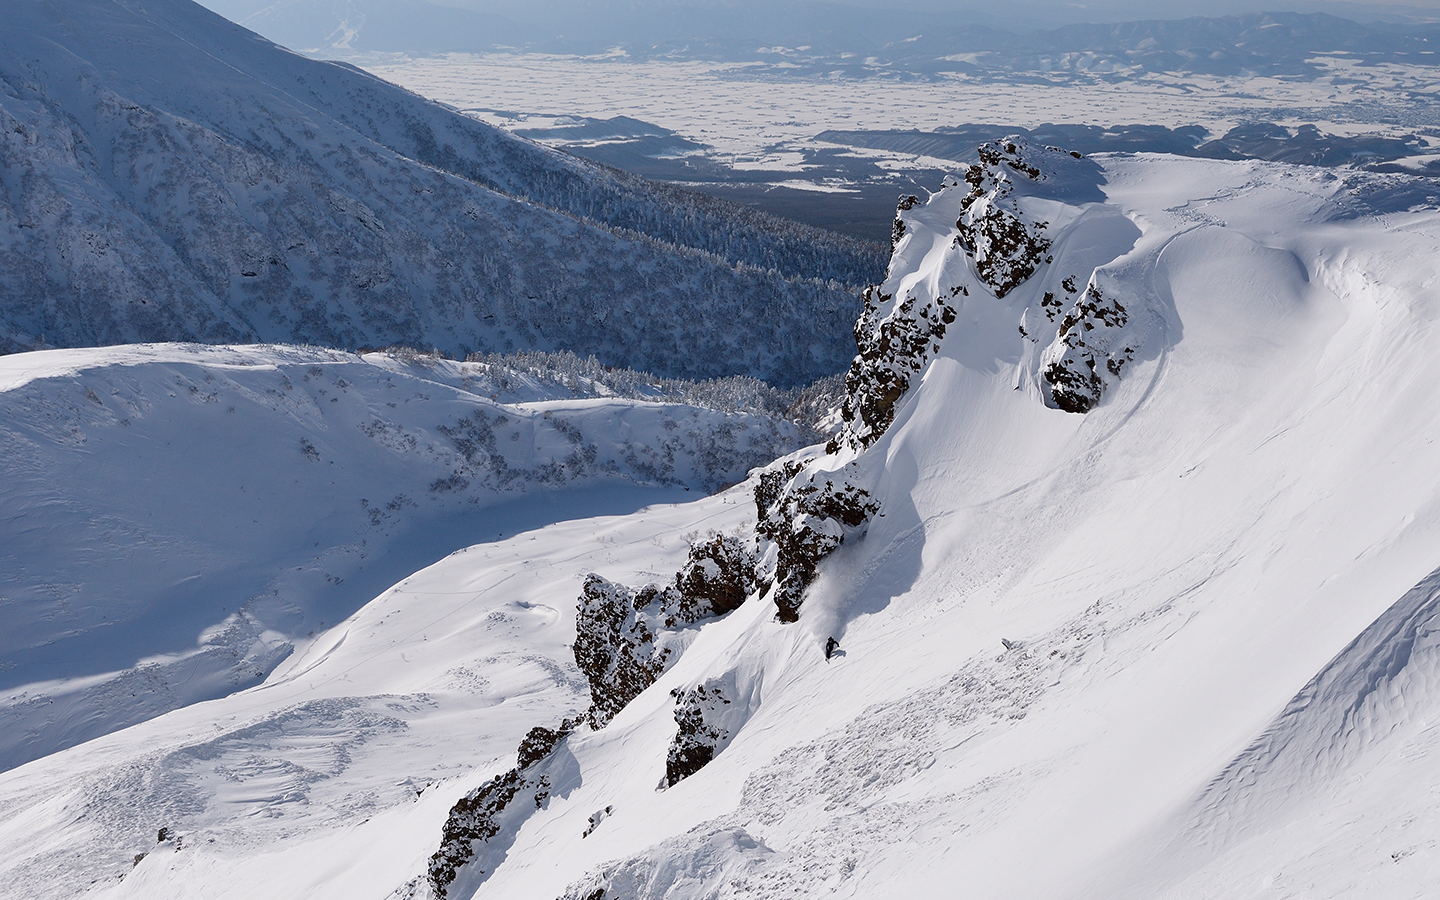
[755, 113]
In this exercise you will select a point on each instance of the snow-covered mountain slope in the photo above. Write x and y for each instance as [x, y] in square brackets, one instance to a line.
[1177, 645]
[168, 175]
[175, 520]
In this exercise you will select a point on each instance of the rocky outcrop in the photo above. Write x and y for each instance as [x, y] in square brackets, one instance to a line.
[1006, 245]
[626, 639]
[896, 338]
[701, 734]
[616, 632]
[802, 519]
[498, 805]
[1090, 350]
[898, 228]
[716, 578]
[895, 341]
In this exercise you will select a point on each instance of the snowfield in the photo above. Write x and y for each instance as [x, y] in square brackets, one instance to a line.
[1179, 645]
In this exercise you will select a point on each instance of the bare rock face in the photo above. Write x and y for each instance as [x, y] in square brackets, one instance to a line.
[473, 818]
[716, 579]
[1006, 245]
[895, 342]
[616, 642]
[804, 518]
[701, 733]
[1090, 350]
[898, 229]
[498, 806]
[624, 638]
[897, 338]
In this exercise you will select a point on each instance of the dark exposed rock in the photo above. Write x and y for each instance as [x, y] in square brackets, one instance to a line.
[716, 579]
[538, 744]
[1090, 347]
[898, 229]
[896, 339]
[620, 640]
[620, 646]
[595, 819]
[805, 518]
[479, 816]
[615, 643]
[700, 736]
[894, 345]
[1007, 247]
[472, 818]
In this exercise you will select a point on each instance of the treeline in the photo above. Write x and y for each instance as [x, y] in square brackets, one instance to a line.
[581, 376]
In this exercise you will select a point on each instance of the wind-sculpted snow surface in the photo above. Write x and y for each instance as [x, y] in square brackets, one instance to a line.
[297, 483]
[1150, 651]
[195, 182]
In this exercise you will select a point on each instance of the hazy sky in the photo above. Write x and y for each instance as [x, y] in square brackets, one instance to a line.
[313, 23]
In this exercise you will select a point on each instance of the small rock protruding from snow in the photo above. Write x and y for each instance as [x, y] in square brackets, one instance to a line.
[1090, 350]
[596, 818]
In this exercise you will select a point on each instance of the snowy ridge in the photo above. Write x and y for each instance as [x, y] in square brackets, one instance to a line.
[1367, 711]
[1386, 681]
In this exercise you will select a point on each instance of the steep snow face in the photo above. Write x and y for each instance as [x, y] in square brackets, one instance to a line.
[191, 181]
[1167, 647]
[175, 520]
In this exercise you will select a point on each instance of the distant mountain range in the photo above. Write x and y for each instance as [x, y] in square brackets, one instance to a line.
[837, 38]
[171, 176]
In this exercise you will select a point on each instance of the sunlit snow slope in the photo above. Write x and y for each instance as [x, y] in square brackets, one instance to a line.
[1180, 645]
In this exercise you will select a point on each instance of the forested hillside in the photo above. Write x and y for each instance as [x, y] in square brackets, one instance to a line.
[171, 176]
